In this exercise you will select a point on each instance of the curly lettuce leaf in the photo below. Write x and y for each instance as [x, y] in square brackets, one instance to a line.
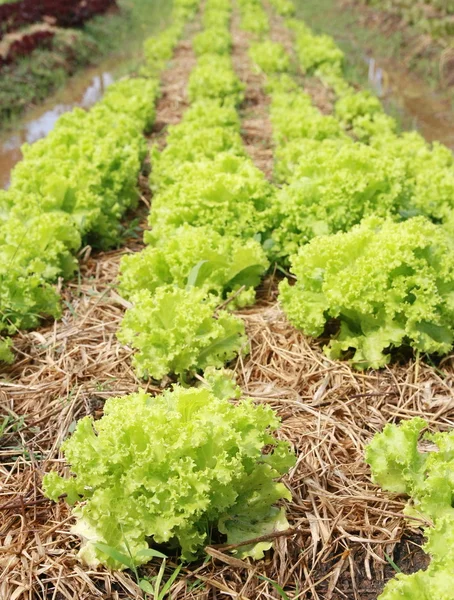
[195, 257]
[393, 456]
[214, 77]
[388, 285]
[6, 355]
[172, 469]
[175, 331]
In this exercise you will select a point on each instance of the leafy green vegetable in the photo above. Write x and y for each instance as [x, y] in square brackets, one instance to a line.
[211, 113]
[173, 469]
[399, 466]
[6, 355]
[394, 458]
[197, 257]
[428, 173]
[215, 40]
[294, 117]
[253, 17]
[214, 77]
[285, 8]
[176, 331]
[134, 96]
[315, 51]
[191, 145]
[270, 57]
[229, 193]
[360, 182]
[388, 284]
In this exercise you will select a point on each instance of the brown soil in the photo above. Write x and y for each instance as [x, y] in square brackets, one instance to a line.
[173, 101]
[255, 124]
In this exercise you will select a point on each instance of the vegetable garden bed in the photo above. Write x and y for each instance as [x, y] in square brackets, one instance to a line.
[342, 531]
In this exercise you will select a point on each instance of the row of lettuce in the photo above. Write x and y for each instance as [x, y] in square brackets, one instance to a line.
[186, 464]
[74, 187]
[389, 277]
[369, 239]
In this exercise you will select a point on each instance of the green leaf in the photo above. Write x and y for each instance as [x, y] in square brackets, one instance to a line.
[276, 586]
[194, 273]
[118, 556]
[146, 586]
[169, 582]
[150, 553]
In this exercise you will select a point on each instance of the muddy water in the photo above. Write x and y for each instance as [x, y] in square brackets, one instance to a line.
[81, 90]
[416, 105]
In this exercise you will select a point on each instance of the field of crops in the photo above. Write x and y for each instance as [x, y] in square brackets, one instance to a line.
[227, 324]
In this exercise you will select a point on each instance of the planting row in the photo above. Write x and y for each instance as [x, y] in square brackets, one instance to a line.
[211, 475]
[388, 282]
[372, 213]
[73, 188]
[210, 203]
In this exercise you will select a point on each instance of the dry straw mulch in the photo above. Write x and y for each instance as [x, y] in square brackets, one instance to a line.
[341, 525]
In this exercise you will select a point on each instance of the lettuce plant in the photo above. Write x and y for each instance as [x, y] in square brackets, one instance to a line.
[214, 17]
[270, 57]
[360, 182]
[214, 77]
[199, 257]
[176, 330]
[229, 193]
[294, 117]
[428, 173]
[387, 284]
[362, 113]
[253, 17]
[316, 51]
[6, 355]
[175, 469]
[214, 40]
[210, 112]
[33, 253]
[399, 466]
[190, 145]
[285, 8]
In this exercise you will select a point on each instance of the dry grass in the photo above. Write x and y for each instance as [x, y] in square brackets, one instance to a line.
[341, 524]
[255, 124]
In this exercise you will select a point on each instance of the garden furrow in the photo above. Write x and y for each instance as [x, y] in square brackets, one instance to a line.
[255, 123]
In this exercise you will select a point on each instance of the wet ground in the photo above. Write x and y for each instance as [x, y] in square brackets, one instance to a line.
[82, 90]
[380, 59]
[418, 106]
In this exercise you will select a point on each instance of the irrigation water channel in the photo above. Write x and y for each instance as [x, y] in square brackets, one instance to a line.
[419, 108]
[83, 89]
